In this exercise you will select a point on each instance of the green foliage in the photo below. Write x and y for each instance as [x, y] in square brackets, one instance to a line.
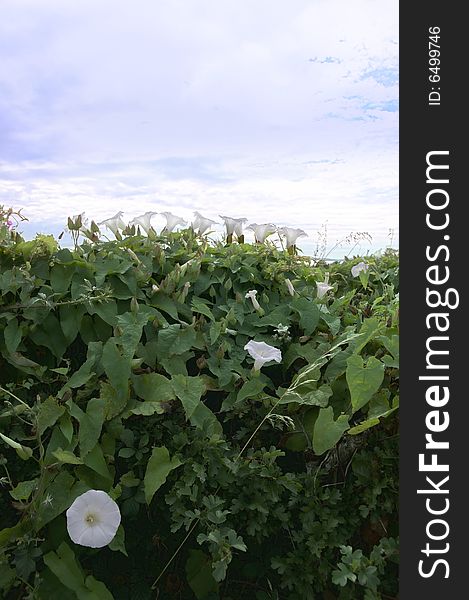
[158, 468]
[122, 368]
[65, 567]
[328, 432]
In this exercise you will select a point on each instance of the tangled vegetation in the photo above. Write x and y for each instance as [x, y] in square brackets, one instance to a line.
[123, 368]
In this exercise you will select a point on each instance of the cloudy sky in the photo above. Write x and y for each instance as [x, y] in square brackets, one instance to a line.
[283, 112]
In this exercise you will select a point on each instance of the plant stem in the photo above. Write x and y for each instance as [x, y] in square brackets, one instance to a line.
[2, 389]
[194, 525]
[258, 427]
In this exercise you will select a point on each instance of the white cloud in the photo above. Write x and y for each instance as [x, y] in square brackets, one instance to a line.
[288, 108]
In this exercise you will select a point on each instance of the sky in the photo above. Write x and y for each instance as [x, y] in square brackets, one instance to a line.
[280, 112]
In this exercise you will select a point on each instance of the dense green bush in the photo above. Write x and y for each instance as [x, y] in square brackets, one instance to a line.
[123, 369]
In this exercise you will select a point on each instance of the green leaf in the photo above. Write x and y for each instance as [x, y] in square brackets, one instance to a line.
[116, 366]
[304, 427]
[319, 397]
[158, 468]
[114, 403]
[175, 340]
[379, 409]
[307, 394]
[369, 330]
[189, 390]
[70, 320]
[224, 369]
[175, 365]
[363, 379]
[147, 409]
[153, 387]
[364, 277]
[215, 331]
[110, 263]
[379, 403]
[219, 568]
[49, 334]
[328, 432]
[91, 423]
[166, 304]
[61, 277]
[363, 426]
[296, 442]
[10, 534]
[24, 489]
[107, 311]
[80, 377]
[199, 574]
[204, 419]
[57, 441]
[280, 314]
[7, 576]
[342, 575]
[23, 451]
[392, 346]
[62, 489]
[131, 325]
[148, 352]
[60, 370]
[126, 452]
[122, 290]
[251, 388]
[129, 480]
[332, 321]
[308, 351]
[24, 364]
[337, 365]
[65, 456]
[199, 305]
[118, 542]
[87, 369]
[95, 460]
[303, 384]
[13, 334]
[309, 314]
[49, 412]
[98, 590]
[50, 588]
[65, 567]
[118, 369]
[66, 427]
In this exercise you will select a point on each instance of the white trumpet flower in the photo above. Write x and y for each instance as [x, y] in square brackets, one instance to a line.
[292, 235]
[357, 269]
[201, 224]
[261, 232]
[322, 289]
[262, 353]
[172, 221]
[93, 519]
[234, 225]
[290, 288]
[252, 295]
[323, 286]
[114, 223]
[144, 221]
